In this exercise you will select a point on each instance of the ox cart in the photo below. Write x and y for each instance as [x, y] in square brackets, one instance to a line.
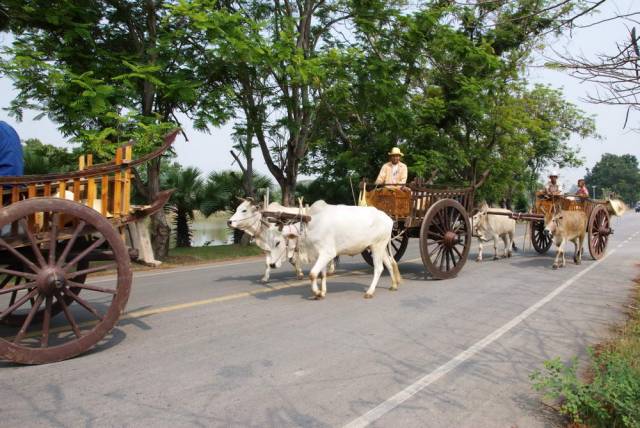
[49, 248]
[437, 215]
[598, 220]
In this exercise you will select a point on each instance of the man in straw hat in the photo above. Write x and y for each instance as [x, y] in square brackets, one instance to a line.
[394, 171]
[553, 186]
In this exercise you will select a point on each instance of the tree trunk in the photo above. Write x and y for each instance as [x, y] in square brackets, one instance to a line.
[237, 236]
[288, 185]
[160, 230]
[247, 178]
[183, 230]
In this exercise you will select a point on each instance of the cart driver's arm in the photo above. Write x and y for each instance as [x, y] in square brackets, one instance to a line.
[384, 173]
[402, 175]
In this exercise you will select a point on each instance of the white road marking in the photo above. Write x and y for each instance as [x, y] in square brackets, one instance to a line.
[411, 390]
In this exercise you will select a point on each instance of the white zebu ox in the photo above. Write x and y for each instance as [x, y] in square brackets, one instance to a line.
[566, 226]
[248, 218]
[488, 227]
[336, 230]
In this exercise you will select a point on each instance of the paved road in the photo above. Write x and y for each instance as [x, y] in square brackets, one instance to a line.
[210, 346]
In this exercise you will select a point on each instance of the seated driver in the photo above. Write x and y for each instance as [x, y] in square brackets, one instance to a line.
[393, 172]
[553, 186]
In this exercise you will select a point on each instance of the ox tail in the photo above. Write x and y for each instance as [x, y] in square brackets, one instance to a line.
[513, 245]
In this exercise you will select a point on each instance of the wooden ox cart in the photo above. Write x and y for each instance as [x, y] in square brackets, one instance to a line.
[50, 246]
[437, 215]
[598, 220]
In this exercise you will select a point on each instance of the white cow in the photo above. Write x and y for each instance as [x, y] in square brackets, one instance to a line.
[248, 218]
[336, 230]
[487, 227]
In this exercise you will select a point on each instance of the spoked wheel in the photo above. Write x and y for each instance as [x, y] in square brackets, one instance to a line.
[53, 265]
[399, 243]
[599, 229]
[445, 239]
[18, 317]
[540, 241]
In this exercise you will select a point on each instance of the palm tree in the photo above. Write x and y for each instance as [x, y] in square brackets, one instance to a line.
[187, 198]
[222, 190]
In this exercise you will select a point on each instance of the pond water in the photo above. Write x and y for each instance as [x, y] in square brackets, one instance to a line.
[208, 231]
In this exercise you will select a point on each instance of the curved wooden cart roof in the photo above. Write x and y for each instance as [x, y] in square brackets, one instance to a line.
[55, 231]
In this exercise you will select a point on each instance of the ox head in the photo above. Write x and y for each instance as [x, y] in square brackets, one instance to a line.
[280, 246]
[552, 220]
[478, 220]
[247, 216]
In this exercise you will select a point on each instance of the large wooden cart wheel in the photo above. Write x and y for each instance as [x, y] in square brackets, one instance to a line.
[52, 264]
[541, 241]
[18, 317]
[598, 229]
[445, 238]
[399, 243]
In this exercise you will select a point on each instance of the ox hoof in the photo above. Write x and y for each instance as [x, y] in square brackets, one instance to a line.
[264, 281]
[300, 276]
[394, 288]
[496, 258]
[317, 297]
[368, 296]
[509, 255]
[478, 259]
[555, 267]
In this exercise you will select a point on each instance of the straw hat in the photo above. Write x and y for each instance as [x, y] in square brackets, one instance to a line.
[553, 173]
[395, 151]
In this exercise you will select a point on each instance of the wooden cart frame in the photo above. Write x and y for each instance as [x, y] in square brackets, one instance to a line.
[49, 247]
[437, 215]
[598, 220]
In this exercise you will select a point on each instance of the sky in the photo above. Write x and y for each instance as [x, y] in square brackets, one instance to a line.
[210, 152]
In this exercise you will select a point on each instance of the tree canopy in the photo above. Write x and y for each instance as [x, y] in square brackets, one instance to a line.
[616, 173]
[319, 87]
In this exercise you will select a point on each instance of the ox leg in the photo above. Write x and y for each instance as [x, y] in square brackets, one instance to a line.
[564, 260]
[387, 261]
[319, 266]
[479, 258]
[495, 247]
[323, 283]
[377, 255]
[331, 268]
[505, 240]
[579, 243]
[267, 271]
[557, 258]
[508, 239]
[297, 267]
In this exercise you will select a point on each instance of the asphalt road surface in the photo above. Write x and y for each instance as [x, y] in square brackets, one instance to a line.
[211, 346]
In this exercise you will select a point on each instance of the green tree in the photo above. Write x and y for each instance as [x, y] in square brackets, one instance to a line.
[40, 158]
[616, 173]
[445, 83]
[276, 56]
[107, 71]
[223, 188]
[186, 198]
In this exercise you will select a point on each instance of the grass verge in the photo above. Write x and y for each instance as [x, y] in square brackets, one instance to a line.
[609, 394]
[194, 255]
